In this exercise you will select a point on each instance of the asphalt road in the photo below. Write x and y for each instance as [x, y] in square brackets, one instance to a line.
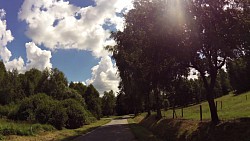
[116, 130]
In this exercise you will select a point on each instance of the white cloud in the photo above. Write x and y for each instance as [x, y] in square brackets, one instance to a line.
[58, 24]
[37, 58]
[75, 82]
[17, 64]
[104, 76]
[5, 37]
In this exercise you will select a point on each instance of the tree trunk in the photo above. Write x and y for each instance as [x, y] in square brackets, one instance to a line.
[148, 104]
[213, 110]
[210, 96]
[158, 107]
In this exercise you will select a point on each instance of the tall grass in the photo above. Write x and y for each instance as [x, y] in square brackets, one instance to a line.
[8, 127]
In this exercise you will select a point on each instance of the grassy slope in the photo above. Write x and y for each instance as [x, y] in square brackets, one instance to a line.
[141, 133]
[232, 107]
[65, 134]
[190, 128]
[193, 130]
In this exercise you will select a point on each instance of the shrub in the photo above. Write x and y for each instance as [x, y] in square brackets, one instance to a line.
[25, 110]
[44, 111]
[76, 114]
[36, 107]
[58, 116]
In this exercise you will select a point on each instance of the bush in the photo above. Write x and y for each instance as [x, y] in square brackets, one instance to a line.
[76, 114]
[35, 108]
[25, 110]
[4, 111]
[58, 116]
[69, 113]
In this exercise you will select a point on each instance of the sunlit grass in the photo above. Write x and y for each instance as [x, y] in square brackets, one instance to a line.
[65, 134]
[232, 107]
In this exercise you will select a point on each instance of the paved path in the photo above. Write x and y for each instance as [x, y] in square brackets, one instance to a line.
[116, 130]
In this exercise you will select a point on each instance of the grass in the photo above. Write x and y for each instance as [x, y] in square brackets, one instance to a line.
[60, 135]
[191, 130]
[235, 125]
[232, 107]
[141, 133]
[9, 127]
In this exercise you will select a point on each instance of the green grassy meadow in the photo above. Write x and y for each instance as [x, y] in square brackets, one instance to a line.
[232, 107]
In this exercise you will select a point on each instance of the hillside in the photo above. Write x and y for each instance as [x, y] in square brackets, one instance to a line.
[234, 126]
[232, 107]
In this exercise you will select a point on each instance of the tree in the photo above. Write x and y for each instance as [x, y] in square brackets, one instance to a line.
[30, 81]
[160, 41]
[54, 83]
[212, 34]
[239, 75]
[78, 87]
[108, 103]
[93, 101]
[3, 75]
[142, 57]
[121, 107]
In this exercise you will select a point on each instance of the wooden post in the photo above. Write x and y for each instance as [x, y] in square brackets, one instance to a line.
[182, 112]
[173, 112]
[216, 104]
[221, 105]
[200, 112]
[246, 97]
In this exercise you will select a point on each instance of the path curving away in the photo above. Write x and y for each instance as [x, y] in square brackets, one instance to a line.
[116, 130]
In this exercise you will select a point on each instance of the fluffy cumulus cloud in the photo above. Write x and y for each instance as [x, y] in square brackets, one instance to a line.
[57, 24]
[104, 76]
[5, 37]
[36, 57]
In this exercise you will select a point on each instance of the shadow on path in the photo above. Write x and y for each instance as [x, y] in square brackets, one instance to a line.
[116, 130]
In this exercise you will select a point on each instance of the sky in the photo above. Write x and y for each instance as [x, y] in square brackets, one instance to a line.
[66, 34]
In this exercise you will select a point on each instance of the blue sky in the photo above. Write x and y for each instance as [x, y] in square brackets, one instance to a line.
[77, 66]
[64, 34]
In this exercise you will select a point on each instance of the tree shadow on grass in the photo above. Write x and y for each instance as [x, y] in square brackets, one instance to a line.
[193, 130]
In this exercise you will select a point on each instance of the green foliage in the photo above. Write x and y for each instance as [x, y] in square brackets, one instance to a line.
[30, 81]
[8, 127]
[36, 107]
[108, 103]
[8, 110]
[78, 87]
[121, 107]
[76, 113]
[58, 116]
[239, 74]
[158, 45]
[93, 101]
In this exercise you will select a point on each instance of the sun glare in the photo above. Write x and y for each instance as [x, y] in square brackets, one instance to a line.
[175, 11]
